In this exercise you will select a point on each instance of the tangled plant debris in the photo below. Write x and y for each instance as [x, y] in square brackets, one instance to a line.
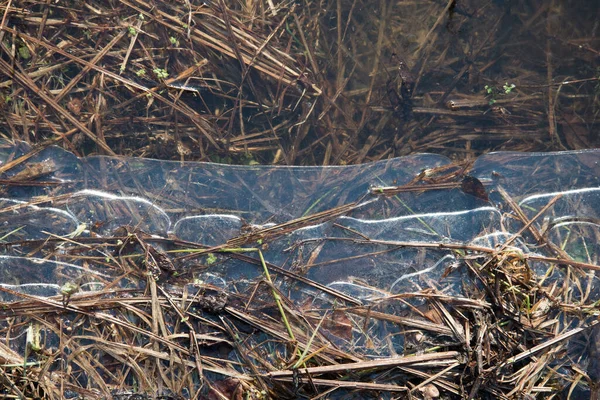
[108, 291]
[155, 294]
[298, 83]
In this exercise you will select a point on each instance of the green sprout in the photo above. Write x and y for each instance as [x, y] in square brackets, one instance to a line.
[67, 290]
[33, 340]
[493, 92]
[174, 41]
[211, 259]
[161, 73]
[526, 304]
[132, 31]
[141, 72]
[508, 88]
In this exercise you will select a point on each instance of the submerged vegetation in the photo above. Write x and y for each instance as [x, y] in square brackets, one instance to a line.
[339, 82]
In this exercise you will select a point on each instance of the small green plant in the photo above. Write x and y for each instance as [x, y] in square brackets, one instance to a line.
[526, 304]
[211, 259]
[174, 41]
[67, 290]
[492, 92]
[24, 52]
[141, 72]
[508, 88]
[33, 338]
[248, 159]
[132, 31]
[160, 73]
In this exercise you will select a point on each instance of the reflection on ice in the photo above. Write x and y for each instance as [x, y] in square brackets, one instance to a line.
[210, 230]
[39, 277]
[209, 204]
[580, 239]
[406, 283]
[459, 226]
[21, 220]
[494, 240]
[578, 202]
[358, 291]
[106, 212]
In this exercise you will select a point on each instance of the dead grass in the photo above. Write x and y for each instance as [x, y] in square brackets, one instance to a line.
[338, 82]
[335, 83]
[136, 319]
